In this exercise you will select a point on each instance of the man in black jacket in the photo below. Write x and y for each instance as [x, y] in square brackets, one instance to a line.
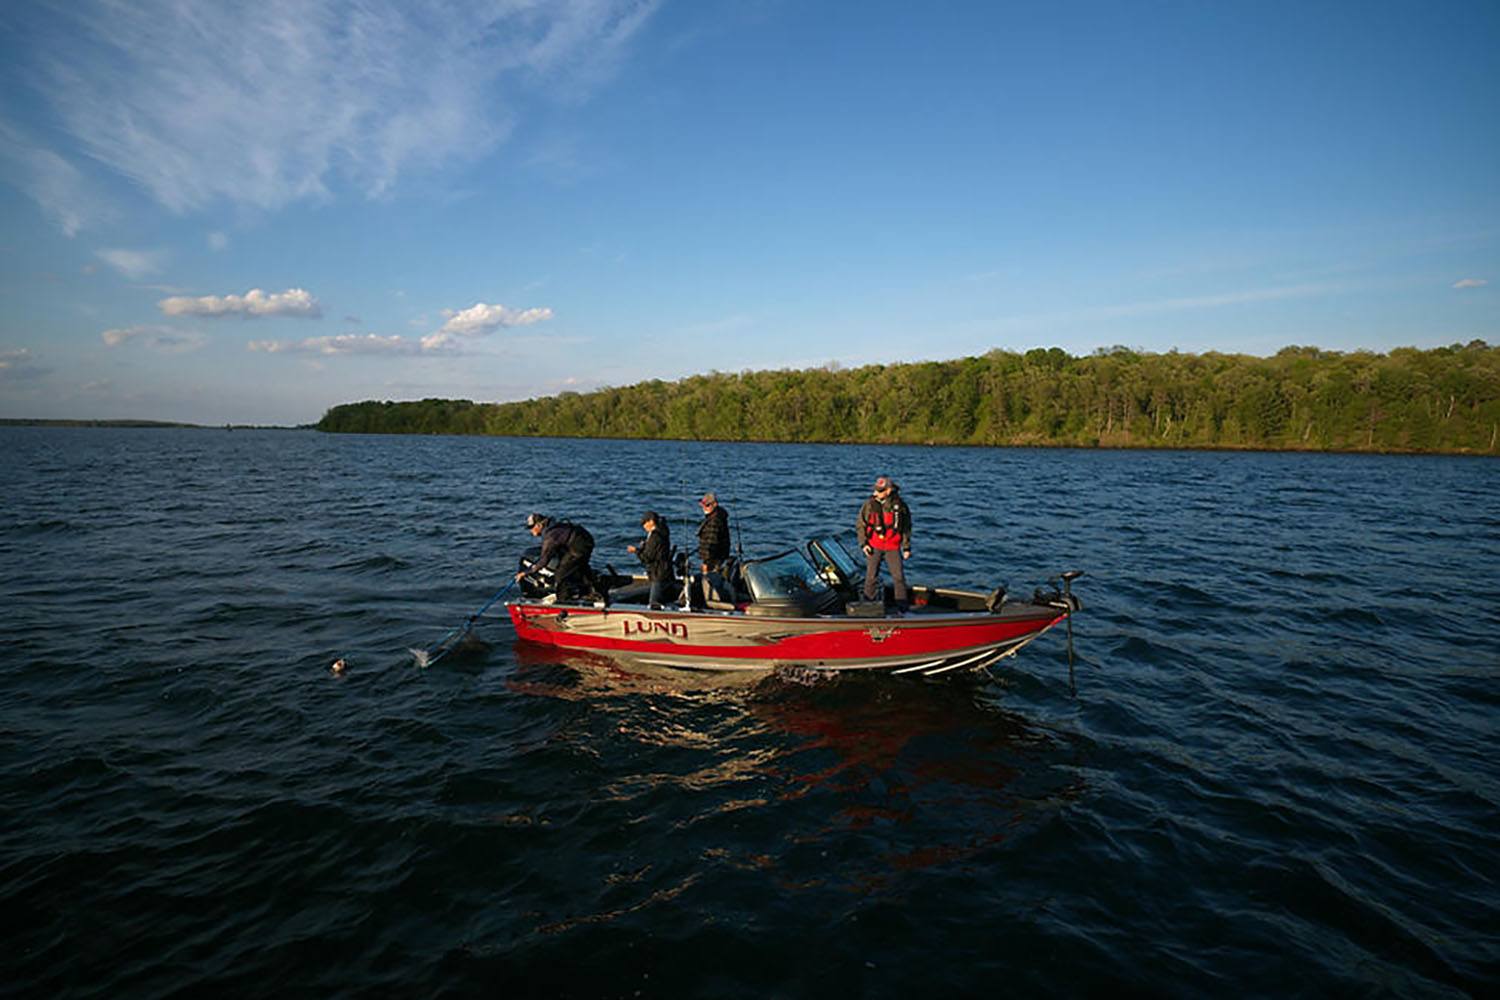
[571, 542]
[655, 553]
[713, 534]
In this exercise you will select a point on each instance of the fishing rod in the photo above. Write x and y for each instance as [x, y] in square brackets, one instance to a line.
[739, 543]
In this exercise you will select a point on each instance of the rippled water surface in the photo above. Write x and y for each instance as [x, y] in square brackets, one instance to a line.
[1277, 776]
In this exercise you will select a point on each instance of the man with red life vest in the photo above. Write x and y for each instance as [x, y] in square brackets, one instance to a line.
[885, 534]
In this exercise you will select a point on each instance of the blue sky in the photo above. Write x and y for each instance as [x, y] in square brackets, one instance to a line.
[249, 212]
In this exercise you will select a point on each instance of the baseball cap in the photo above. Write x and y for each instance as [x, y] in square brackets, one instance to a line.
[532, 520]
[708, 498]
[650, 515]
[881, 483]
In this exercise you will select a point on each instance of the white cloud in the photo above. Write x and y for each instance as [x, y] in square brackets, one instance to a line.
[344, 343]
[477, 321]
[156, 338]
[217, 240]
[133, 264]
[440, 342]
[268, 102]
[292, 302]
[480, 319]
[1471, 283]
[466, 324]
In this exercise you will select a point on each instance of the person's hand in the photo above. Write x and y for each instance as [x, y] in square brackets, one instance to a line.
[868, 549]
[519, 575]
[906, 553]
[630, 548]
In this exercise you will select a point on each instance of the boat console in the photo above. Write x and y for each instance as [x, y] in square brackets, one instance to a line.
[788, 585]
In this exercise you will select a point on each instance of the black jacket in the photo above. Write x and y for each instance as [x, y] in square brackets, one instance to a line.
[713, 537]
[655, 553]
[561, 537]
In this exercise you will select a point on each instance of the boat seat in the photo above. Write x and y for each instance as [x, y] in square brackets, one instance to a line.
[716, 588]
[789, 607]
[634, 593]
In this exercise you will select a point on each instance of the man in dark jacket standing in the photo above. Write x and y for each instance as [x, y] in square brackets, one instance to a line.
[655, 553]
[885, 534]
[569, 541]
[713, 534]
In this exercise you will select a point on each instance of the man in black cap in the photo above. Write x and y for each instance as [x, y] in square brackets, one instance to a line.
[713, 534]
[885, 534]
[569, 541]
[655, 553]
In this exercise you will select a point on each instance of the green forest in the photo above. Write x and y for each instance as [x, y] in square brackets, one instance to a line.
[1442, 400]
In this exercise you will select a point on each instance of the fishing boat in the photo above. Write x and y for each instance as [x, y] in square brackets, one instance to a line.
[798, 608]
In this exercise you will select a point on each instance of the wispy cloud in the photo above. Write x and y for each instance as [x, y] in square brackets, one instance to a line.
[18, 364]
[133, 264]
[61, 190]
[265, 103]
[14, 357]
[1471, 283]
[1049, 322]
[344, 343]
[736, 323]
[1244, 297]
[254, 303]
[156, 338]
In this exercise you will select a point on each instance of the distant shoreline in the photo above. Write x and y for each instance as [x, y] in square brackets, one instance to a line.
[1303, 399]
[997, 446]
[1051, 446]
[144, 424]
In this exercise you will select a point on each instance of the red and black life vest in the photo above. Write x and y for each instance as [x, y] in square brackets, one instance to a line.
[882, 528]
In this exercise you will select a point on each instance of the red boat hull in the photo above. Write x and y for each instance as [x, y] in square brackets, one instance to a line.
[928, 643]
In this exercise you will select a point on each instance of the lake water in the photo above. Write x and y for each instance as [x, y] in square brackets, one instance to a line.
[1277, 776]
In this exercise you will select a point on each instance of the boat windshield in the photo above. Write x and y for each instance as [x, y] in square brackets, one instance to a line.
[834, 562]
[788, 575]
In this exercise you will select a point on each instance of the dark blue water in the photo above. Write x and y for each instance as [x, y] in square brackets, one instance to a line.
[1277, 776]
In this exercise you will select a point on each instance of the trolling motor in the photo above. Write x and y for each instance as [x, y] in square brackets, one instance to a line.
[1068, 600]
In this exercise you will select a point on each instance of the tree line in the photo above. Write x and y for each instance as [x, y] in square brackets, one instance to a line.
[1446, 399]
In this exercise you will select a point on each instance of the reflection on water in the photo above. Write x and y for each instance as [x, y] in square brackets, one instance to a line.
[920, 774]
